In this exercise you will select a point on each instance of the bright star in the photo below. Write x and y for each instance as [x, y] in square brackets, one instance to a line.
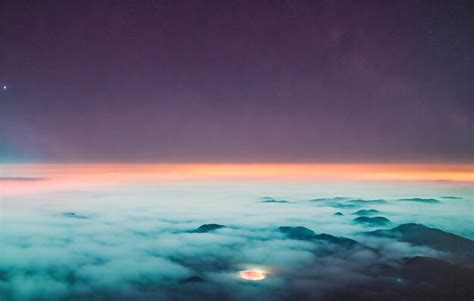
[4, 87]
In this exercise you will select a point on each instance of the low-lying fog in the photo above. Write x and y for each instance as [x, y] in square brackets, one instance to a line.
[141, 240]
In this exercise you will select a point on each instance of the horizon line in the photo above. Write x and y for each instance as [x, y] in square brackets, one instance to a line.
[421, 163]
[252, 171]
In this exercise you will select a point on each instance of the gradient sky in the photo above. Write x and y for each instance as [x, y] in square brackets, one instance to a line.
[237, 81]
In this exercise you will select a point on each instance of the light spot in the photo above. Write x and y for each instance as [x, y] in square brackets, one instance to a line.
[252, 275]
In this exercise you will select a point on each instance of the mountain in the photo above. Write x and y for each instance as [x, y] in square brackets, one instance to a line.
[298, 233]
[437, 279]
[419, 234]
[303, 233]
[372, 221]
[207, 228]
[366, 212]
[421, 200]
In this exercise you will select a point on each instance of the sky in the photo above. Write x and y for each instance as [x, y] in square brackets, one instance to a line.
[237, 81]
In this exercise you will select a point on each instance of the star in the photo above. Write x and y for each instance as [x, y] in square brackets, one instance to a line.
[4, 87]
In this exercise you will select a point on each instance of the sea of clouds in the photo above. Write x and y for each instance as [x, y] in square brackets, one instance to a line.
[134, 241]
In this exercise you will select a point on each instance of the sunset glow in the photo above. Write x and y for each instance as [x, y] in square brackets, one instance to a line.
[26, 178]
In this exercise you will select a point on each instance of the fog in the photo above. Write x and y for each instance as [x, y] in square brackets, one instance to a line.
[133, 240]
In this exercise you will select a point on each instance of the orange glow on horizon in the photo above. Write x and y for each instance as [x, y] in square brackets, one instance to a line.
[67, 176]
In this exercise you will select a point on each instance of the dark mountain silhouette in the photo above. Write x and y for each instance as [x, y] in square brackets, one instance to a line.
[340, 241]
[366, 212]
[207, 228]
[421, 200]
[298, 233]
[415, 279]
[275, 201]
[347, 203]
[436, 279]
[303, 233]
[418, 234]
[367, 202]
[372, 221]
[269, 199]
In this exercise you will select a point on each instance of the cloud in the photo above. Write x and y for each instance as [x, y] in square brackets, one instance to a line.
[127, 250]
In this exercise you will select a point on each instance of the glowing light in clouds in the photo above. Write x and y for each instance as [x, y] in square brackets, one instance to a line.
[252, 275]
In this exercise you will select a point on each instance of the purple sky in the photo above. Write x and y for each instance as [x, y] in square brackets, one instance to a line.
[237, 81]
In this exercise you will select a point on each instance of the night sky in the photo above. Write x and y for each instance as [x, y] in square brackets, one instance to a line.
[237, 81]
